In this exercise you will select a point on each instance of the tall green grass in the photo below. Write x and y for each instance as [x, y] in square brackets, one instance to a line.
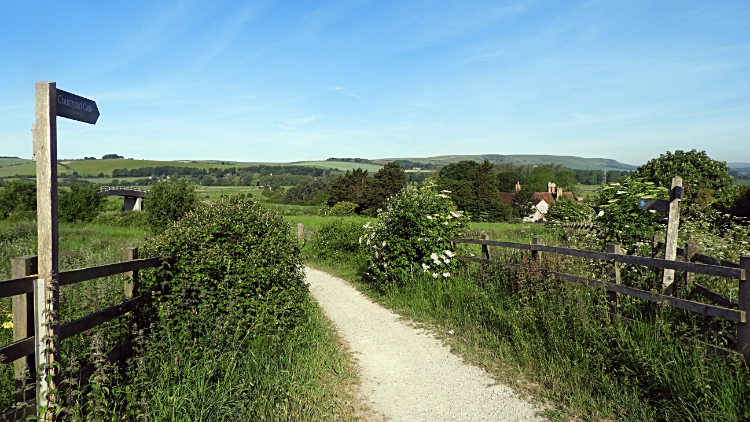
[226, 375]
[560, 338]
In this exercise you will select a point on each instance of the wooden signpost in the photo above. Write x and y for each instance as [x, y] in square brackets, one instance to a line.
[673, 224]
[50, 103]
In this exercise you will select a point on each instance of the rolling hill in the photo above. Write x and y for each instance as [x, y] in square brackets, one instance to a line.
[567, 161]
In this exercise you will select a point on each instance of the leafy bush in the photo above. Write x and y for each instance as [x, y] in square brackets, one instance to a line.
[566, 210]
[81, 202]
[343, 209]
[17, 195]
[168, 201]
[412, 234]
[618, 215]
[336, 239]
[701, 176]
[122, 219]
[231, 258]
[735, 201]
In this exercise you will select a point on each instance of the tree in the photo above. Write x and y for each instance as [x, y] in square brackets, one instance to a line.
[390, 180]
[82, 202]
[354, 186]
[111, 156]
[169, 201]
[701, 176]
[484, 183]
[18, 195]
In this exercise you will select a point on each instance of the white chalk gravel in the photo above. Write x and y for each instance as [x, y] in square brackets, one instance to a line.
[407, 374]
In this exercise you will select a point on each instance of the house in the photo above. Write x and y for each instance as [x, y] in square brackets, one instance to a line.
[542, 201]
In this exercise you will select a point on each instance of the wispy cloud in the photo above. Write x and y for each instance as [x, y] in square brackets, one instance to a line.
[345, 92]
[296, 123]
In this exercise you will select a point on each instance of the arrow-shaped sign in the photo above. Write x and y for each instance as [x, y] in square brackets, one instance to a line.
[75, 107]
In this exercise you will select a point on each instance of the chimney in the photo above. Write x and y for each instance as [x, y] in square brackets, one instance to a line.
[559, 193]
[518, 186]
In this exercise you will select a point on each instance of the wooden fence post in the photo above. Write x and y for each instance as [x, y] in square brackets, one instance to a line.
[300, 232]
[743, 328]
[131, 282]
[485, 248]
[536, 255]
[673, 225]
[23, 322]
[614, 277]
[47, 294]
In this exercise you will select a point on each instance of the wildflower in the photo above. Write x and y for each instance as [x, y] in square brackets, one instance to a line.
[360, 240]
[433, 256]
[443, 195]
[450, 254]
[429, 217]
[8, 325]
[455, 214]
[446, 275]
[445, 222]
[434, 275]
[447, 261]
[446, 191]
[384, 243]
[620, 192]
[425, 267]
[366, 226]
[451, 332]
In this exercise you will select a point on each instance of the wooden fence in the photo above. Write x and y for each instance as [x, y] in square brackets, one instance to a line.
[27, 309]
[703, 265]
[302, 231]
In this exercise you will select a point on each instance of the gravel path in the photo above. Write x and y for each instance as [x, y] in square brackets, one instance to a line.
[407, 374]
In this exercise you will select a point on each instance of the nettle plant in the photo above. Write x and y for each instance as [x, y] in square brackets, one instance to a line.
[412, 235]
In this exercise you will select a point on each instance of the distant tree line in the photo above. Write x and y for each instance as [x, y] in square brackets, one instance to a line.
[597, 177]
[411, 165]
[351, 160]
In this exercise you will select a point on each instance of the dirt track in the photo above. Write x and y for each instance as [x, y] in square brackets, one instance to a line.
[407, 374]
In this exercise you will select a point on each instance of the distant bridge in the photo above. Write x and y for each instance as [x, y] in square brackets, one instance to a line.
[133, 197]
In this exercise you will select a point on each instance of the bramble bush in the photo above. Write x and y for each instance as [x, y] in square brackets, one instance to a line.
[232, 258]
[411, 235]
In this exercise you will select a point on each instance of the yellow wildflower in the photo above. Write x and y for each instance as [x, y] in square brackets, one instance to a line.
[8, 325]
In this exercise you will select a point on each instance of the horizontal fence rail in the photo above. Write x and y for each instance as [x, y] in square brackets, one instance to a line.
[728, 309]
[22, 351]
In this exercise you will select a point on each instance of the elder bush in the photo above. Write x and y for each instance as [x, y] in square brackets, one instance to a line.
[411, 235]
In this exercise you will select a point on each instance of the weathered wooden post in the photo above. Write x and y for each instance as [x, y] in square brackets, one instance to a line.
[614, 277]
[50, 103]
[485, 248]
[300, 232]
[743, 328]
[23, 321]
[673, 225]
[535, 255]
[46, 289]
[131, 280]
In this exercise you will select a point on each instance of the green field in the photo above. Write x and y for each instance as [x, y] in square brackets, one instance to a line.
[95, 167]
[12, 160]
[27, 168]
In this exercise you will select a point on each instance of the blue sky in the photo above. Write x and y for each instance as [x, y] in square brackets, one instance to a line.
[288, 81]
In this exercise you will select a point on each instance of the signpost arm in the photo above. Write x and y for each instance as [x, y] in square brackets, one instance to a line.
[45, 153]
[673, 225]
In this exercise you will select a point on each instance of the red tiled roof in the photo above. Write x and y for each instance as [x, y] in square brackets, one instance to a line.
[548, 198]
[506, 198]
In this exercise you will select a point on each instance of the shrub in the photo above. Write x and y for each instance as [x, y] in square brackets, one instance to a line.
[17, 195]
[169, 201]
[81, 202]
[566, 210]
[735, 201]
[336, 239]
[122, 219]
[232, 258]
[343, 209]
[618, 215]
[412, 234]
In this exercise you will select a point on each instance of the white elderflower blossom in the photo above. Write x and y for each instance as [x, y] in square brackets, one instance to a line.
[425, 267]
[455, 214]
[447, 261]
[360, 240]
[446, 275]
[620, 192]
[429, 217]
[445, 222]
[446, 191]
[433, 256]
[384, 243]
[434, 275]
[366, 226]
[443, 195]
[450, 254]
